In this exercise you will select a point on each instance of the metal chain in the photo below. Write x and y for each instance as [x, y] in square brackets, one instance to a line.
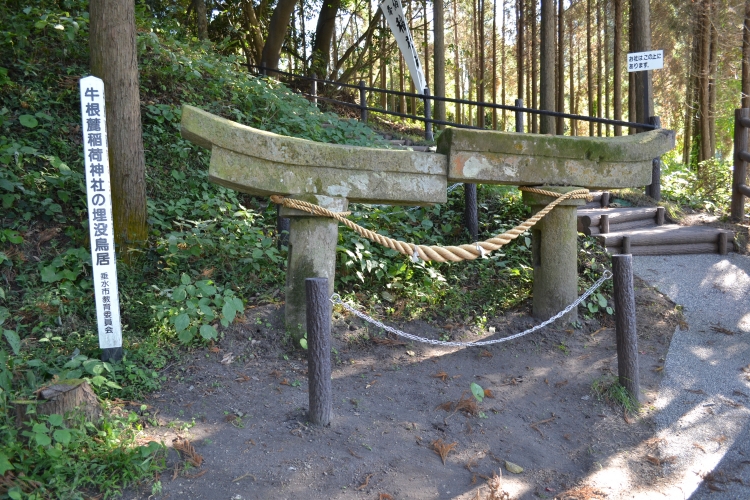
[336, 299]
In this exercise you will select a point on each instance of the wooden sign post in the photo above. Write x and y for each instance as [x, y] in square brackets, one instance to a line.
[101, 228]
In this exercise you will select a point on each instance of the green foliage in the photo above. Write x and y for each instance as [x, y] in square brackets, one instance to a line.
[593, 260]
[708, 187]
[477, 391]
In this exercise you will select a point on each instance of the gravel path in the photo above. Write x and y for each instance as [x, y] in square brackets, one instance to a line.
[704, 400]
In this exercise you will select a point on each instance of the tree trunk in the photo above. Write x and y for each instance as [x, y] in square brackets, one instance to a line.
[457, 62]
[439, 55]
[494, 63]
[201, 17]
[547, 62]
[481, 82]
[606, 65]
[426, 49]
[589, 66]
[534, 68]
[323, 35]
[599, 65]
[502, 70]
[383, 64]
[519, 46]
[640, 42]
[114, 59]
[253, 35]
[573, 67]
[703, 82]
[64, 397]
[560, 73]
[617, 77]
[713, 67]
[745, 101]
[277, 28]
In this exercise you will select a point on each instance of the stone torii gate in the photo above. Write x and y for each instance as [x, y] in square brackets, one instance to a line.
[261, 163]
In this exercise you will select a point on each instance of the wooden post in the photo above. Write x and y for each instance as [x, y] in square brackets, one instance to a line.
[471, 220]
[428, 116]
[314, 89]
[519, 116]
[625, 245]
[740, 165]
[723, 243]
[660, 214]
[604, 224]
[604, 201]
[654, 190]
[319, 350]
[362, 102]
[625, 327]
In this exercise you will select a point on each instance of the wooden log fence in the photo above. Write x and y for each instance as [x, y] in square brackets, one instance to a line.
[625, 325]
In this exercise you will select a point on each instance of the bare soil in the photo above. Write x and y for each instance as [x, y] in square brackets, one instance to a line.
[242, 406]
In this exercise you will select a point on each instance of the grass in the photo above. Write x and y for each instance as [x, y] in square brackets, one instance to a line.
[610, 390]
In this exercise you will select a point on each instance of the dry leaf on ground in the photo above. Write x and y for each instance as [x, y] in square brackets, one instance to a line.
[188, 452]
[442, 448]
[441, 375]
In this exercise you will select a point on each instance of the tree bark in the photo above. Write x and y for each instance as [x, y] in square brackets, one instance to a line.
[277, 28]
[704, 110]
[383, 64]
[606, 65]
[481, 81]
[502, 70]
[438, 14]
[534, 69]
[599, 65]
[560, 72]
[640, 42]
[625, 325]
[457, 62]
[573, 67]
[547, 60]
[520, 46]
[745, 101]
[201, 18]
[114, 59]
[589, 66]
[494, 63]
[617, 76]
[323, 35]
[318, 318]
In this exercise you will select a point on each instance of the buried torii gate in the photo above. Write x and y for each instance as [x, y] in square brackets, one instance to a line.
[330, 176]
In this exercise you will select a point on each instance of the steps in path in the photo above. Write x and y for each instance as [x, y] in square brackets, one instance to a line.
[642, 231]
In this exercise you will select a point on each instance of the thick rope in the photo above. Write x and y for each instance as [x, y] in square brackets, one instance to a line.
[436, 252]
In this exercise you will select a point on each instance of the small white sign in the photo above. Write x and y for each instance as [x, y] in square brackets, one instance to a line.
[99, 198]
[394, 14]
[645, 61]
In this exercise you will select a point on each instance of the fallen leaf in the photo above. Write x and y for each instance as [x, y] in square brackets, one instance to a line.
[515, 469]
[284, 382]
[364, 485]
[653, 460]
[242, 378]
[696, 445]
[447, 406]
[275, 374]
[441, 375]
[488, 394]
[442, 448]
[721, 439]
[720, 329]
[227, 359]
[385, 496]
[188, 452]
[197, 475]
[561, 384]
[659, 369]
[411, 353]
[485, 354]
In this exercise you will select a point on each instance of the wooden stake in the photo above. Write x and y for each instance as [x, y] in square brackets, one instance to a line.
[625, 327]
[319, 350]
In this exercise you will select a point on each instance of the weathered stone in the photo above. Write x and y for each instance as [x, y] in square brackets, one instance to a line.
[311, 254]
[554, 243]
[492, 157]
[261, 163]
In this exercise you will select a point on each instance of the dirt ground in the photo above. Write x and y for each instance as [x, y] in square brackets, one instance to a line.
[239, 410]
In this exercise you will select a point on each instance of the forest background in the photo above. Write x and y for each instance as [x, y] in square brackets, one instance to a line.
[493, 52]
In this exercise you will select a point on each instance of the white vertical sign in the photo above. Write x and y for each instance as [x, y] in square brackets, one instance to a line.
[99, 199]
[394, 14]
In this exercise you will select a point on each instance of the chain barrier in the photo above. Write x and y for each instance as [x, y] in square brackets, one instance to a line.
[336, 299]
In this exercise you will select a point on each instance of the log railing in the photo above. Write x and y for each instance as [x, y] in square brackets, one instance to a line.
[741, 156]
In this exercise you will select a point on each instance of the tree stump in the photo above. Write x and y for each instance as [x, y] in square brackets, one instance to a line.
[62, 398]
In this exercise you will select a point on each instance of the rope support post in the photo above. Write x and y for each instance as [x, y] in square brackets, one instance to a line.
[625, 325]
[319, 350]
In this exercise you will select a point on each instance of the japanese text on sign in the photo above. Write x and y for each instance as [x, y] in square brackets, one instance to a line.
[394, 15]
[99, 198]
[645, 61]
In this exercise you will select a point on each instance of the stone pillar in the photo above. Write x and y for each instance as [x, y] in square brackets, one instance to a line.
[312, 254]
[554, 253]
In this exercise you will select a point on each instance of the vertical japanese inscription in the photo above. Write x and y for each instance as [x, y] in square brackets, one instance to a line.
[394, 15]
[99, 198]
